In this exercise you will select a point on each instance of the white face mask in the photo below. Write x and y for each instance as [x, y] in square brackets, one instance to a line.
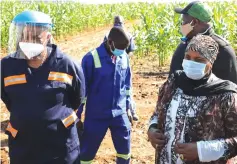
[186, 29]
[194, 70]
[31, 50]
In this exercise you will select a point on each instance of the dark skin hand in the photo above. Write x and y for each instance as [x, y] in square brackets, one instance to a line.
[188, 150]
[156, 138]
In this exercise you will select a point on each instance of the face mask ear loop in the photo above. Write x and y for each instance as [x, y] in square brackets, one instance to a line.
[191, 24]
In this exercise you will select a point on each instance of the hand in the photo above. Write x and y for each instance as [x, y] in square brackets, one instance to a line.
[80, 128]
[156, 138]
[130, 116]
[188, 151]
[135, 117]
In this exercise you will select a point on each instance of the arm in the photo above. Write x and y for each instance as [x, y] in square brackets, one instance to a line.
[4, 96]
[155, 134]
[225, 66]
[154, 117]
[233, 63]
[87, 67]
[165, 94]
[78, 87]
[224, 148]
[230, 68]
[128, 84]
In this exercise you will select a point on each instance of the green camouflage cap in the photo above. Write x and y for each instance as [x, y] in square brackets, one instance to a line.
[198, 10]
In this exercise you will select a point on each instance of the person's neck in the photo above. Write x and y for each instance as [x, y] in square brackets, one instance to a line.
[205, 29]
[38, 62]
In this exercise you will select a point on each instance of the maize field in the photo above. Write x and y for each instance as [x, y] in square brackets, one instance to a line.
[157, 34]
[69, 18]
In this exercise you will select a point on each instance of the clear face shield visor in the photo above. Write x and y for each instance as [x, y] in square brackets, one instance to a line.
[29, 41]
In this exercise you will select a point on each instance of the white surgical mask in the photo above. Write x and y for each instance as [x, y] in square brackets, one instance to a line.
[186, 29]
[194, 70]
[31, 50]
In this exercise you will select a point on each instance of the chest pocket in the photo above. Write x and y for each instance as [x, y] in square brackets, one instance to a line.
[58, 85]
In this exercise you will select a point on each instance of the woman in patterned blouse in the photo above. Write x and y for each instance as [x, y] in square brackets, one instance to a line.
[195, 119]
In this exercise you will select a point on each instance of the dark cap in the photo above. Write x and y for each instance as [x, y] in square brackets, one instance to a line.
[198, 10]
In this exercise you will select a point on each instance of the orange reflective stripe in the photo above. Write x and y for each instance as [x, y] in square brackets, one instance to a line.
[11, 130]
[62, 77]
[69, 120]
[16, 79]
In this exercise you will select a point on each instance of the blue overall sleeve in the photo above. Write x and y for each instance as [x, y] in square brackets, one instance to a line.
[4, 96]
[78, 87]
[87, 66]
[128, 82]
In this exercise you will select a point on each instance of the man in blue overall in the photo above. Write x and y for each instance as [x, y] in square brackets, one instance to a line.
[41, 87]
[108, 81]
[119, 22]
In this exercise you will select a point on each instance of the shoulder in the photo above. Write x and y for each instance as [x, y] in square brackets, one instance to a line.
[88, 59]
[181, 47]
[9, 61]
[88, 56]
[224, 46]
[171, 80]
[220, 40]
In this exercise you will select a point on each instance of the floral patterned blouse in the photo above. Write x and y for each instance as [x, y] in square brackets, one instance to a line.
[185, 118]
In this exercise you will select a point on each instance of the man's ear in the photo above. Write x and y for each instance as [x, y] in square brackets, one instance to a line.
[195, 22]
